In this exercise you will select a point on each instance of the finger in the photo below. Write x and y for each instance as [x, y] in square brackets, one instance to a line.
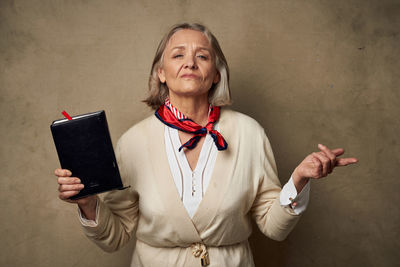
[68, 180]
[62, 172]
[66, 195]
[346, 161]
[71, 200]
[338, 151]
[330, 155]
[69, 187]
[325, 161]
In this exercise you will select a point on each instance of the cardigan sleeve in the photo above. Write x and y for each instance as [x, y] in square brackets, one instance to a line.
[274, 220]
[117, 215]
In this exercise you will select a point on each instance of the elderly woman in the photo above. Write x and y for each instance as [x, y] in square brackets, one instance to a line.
[198, 172]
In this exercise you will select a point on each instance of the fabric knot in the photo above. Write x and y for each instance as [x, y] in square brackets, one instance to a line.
[166, 115]
[200, 250]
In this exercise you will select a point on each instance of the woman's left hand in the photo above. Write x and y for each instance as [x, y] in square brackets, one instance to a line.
[319, 164]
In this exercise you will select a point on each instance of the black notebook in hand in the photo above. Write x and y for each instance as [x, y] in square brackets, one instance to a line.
[84, 147]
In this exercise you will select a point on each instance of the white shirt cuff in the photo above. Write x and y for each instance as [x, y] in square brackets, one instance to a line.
[86, 222]
[289, 195]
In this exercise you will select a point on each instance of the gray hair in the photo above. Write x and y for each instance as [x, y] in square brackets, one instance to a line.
[219, 94]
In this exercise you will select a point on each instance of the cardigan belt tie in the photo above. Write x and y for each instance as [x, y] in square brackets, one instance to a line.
[200, 250]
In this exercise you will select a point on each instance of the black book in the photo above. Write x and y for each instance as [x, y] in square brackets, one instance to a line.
[84, 147]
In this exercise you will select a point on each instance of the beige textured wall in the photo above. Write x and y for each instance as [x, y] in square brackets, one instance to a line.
[308, 71]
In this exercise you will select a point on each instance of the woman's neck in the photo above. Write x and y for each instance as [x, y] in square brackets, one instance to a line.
[196, 108]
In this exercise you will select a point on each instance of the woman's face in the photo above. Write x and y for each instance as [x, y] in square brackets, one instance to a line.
[188, 65]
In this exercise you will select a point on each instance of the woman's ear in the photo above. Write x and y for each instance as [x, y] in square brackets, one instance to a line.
[217, 77]
[161, 75]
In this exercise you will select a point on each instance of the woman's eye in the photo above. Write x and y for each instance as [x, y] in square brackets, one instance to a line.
[177, 56]
[202, 57]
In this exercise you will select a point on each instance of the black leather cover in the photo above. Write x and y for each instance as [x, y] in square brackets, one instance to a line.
[84, 147]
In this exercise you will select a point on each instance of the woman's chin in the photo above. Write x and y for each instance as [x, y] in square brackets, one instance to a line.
[191, 92]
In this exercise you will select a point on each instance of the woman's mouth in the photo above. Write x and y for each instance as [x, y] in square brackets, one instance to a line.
[189, 76]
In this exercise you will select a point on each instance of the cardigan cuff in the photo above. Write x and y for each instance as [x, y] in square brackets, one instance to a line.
[95, 228]
[86, 222]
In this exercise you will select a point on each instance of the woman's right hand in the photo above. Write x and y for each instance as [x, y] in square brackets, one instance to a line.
[71, 186]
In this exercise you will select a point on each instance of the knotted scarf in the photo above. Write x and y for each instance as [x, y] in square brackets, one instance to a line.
[167, 116]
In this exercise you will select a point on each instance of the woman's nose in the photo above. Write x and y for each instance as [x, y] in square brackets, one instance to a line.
[190, 62]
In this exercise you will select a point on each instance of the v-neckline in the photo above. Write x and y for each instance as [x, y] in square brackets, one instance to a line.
[205, 148]
[220, 179]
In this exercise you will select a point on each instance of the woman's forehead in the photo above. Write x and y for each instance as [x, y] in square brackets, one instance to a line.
[187, 37]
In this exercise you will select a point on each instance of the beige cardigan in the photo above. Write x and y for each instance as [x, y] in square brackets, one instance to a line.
[244, 184]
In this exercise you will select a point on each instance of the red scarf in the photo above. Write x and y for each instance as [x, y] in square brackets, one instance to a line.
[167, 114]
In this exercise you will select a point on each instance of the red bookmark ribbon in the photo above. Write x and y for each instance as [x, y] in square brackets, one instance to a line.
[66, 115]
